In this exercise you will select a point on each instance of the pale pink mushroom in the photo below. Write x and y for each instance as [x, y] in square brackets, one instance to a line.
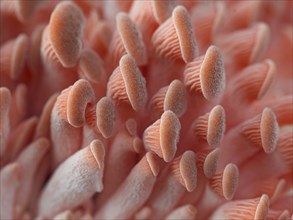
[146, 110]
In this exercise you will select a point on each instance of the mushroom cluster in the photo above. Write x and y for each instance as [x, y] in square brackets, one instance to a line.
[146, 109]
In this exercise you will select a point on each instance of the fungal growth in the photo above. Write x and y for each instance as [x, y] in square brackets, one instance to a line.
[146, 109]
[126, 84]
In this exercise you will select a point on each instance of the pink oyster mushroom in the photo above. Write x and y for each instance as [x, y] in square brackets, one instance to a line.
[146, 109]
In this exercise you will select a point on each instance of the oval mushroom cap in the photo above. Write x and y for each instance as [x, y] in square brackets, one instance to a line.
[66, 30]
[162, 10]
[216, 125]
[210, 163]
[212, 74]
[169, 134]
[134, 82]
[271, 69]
[105, 116]
[230, 180]
[262, 208]
[175, 98]
[269, 130]
[91, 65]
[25, 9]
[19, 55]
[80, 95]
[188, 170]
[261, 41]
[131, 38]
[182, 23]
